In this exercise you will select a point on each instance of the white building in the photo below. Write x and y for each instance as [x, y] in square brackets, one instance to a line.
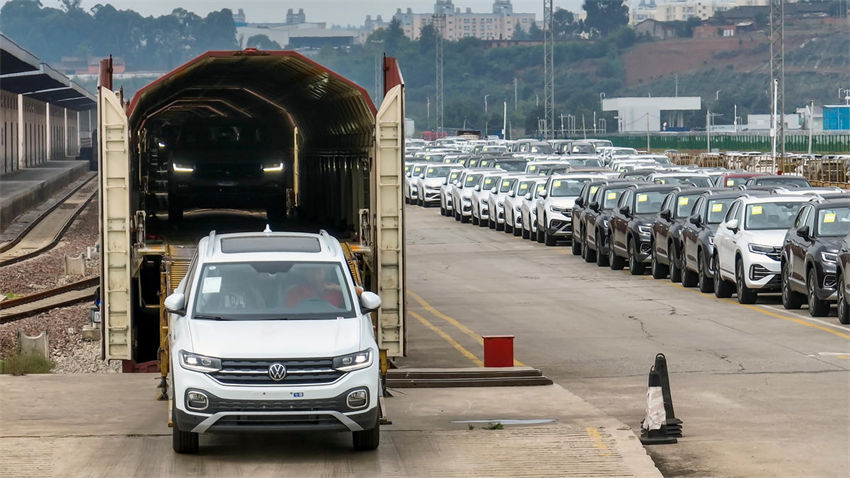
[681, 10]
[650, 114]
[500, 24]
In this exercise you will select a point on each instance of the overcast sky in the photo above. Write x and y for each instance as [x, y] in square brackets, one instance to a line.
[334, 12]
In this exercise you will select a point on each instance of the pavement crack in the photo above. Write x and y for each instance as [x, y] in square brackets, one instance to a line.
[642, 326]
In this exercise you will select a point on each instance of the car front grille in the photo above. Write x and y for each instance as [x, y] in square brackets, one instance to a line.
[255, 372]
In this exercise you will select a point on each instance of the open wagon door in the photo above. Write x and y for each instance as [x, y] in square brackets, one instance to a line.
[388, 210]
[113, 179]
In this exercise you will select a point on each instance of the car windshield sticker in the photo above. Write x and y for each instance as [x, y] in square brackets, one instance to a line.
[532, 169]
[730, 182]
[430, 170]
[506, 183]
[717, 207]
[455, 175]
[829, 217]
[683, 201]
[643, 197]
[593, 189]
[660, 181]
[212, 285]
[523, 187]
[612, 195]
[755, 210]
[470, 180]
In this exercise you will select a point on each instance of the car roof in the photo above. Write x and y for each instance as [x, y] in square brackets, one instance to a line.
[269, 246]
[747, 199]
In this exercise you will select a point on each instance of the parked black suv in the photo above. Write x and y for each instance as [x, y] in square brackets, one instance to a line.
[666, 252]
[810, 255]
[631, 225]
[597, 229]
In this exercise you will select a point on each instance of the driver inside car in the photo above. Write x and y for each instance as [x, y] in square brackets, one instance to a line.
[314, 286]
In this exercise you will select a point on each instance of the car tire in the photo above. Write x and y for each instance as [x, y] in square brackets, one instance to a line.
[635, 268]
[526, 234]
[475, 220]
[675, 265]
[689, 278]
[367, 440]
[745, 294]
[575, 246]
[182, 442]
[704, 282]
[500, 226]
[548, 239]
[464, 219]
[516, 230]
[722, 288]
[842, 306]
[601, 259]
[588, 254]
[659, 270]
[615, 262]
[442, 210]
[539, 235]
[817, 307]
[790, 299]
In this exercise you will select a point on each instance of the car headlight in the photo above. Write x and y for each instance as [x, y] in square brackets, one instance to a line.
[711, 240]
[182, 168]
[760, 249]
[605, 223]
[562, 210]
[645, 229]
[355, 361]
[273, 168]
[199, 363]
[829, 257]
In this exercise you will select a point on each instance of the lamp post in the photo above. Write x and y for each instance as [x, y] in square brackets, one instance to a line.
[485, 116]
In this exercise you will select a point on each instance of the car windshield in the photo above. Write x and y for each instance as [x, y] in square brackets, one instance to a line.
[486, 163]
[435, 158]
[507, 184]
[582, 149]
[591, 193]
[649, 202]
[698, 181]
[541, 148]
[611, 198]
[833, 222]
[540, 187]
[489, 182]
[771, 215]
[567, 187]
[685, 204]
[717, 210]
[733, 182]
[523, 188]
[511, 165]
[272, 290]
[471, 180]
[437, 172]
[417, 170]
[453, 176]
[782, 181]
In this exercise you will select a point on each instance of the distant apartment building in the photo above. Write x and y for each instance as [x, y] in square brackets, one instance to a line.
[297, 33]
[500, 24]
[681, 10]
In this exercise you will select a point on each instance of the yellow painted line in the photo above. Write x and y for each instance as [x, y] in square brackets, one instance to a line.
[460, 348]
[597, 438]
[799, 321]
[453, 321]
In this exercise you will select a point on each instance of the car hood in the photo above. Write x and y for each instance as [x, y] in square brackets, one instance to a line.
[566, 201]
[275, 338]
[769, 237]
[433, 182]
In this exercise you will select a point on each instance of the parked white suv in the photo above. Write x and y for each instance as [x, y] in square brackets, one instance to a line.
[268, 332]
[748, 245]
[555, 207]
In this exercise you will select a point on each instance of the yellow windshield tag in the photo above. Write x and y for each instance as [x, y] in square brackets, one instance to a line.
[593, 189]
[643, 197]
[730, 182]
[829, 217]
[506, 184]
[717, 207]
[660, 181]
[612, 196]
[683, 201]
[540, 187]
[523, 187]
[756, 210]
[557, 184]
[430, 170]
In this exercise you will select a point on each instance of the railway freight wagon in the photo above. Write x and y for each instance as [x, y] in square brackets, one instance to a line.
[309, 144]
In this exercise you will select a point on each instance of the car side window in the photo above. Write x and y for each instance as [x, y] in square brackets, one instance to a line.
[732, 211]
[801, 218]
[810, 219]
[667, 200]
[698, 207]
[625, 199]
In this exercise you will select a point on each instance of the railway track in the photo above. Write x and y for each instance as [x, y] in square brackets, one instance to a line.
[45, 231]
[29, 305]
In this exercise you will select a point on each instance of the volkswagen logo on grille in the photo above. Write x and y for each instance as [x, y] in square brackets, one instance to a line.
[277, 371]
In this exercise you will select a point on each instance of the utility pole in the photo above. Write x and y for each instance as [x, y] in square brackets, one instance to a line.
[516, 96]
[505, 119]
[485, 116]
[562, 126]
[548, 69]
[708, 130]
[811, 120]
[583, 128]
[439, 21]
[777, 74]
[428, 107]
[648, 149]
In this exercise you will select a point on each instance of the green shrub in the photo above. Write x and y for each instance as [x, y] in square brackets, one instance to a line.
[24, 364]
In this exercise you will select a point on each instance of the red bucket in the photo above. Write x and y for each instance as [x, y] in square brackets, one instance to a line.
[498, 350]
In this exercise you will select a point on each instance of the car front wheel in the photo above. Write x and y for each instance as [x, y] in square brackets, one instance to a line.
[817, 307]
[843, 309]
[366, 440]
[745, 294]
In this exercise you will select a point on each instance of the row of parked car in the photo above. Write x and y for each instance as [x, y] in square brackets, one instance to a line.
[726, 232]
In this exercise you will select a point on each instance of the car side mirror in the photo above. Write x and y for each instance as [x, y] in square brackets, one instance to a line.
[579, 202]
[370, 301]
[804, 232]
[732, 225]
[543, 194]
[528, 196]
[666, 214]
[445, 180]
[407, 174]
[695, 220]
[511, 194]
[478, 187]
[594, 206]
[494, 191]
[175, 303]
[626, 211]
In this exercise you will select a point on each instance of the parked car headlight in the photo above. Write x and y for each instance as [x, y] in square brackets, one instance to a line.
[605, 223]
[760, 249]
[562, 210]
[182, 168]
[711, 240]
[273, 167]
[355, 361]
[645, 229]
[199, 363]
[829, 257]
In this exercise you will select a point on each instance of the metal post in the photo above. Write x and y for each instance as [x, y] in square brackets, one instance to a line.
[485, 116]
[505, 119]
[648, 149]
[48, 137]
[811, 120]
[708, 131]
[773, 128]
[548, 69]
[21, 131]
[516, 97]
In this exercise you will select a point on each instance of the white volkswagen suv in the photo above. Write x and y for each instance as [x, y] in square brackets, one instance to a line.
[748, 245]
[268, 332]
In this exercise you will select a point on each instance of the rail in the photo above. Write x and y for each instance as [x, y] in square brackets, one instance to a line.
[820, 171]
[29, 305]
